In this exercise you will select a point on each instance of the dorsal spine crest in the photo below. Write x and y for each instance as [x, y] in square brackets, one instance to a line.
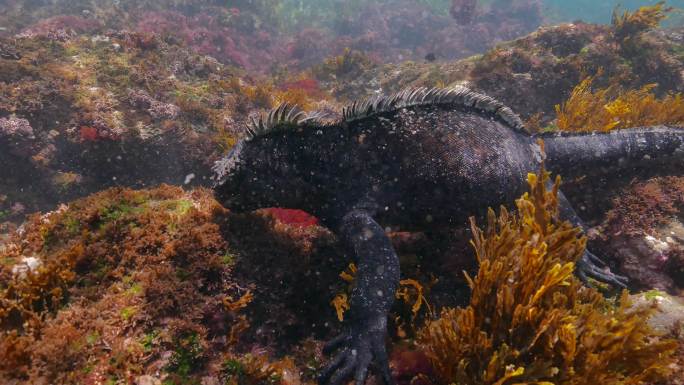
[290, 116]
[281, 118]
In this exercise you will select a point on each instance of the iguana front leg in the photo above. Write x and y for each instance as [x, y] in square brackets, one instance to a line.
[376, 283]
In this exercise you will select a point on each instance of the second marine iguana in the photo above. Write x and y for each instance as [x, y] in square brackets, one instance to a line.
[417, 159]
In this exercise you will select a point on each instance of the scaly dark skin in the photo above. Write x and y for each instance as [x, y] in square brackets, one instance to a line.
[415, 168]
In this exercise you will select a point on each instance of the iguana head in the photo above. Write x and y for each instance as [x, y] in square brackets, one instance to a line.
[259, 173]
[268, 168]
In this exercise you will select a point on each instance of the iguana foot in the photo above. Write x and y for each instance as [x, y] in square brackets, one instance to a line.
[357, 348]
[591, 266]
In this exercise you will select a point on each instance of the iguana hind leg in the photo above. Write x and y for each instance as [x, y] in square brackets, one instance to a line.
[377, 278]
[589, 266]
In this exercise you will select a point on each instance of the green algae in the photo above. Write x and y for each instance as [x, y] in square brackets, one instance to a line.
[187, 356]
[654, 294]
[150, 340]
[92, 338]
[128, 312]
[228, 258]
[117, 212]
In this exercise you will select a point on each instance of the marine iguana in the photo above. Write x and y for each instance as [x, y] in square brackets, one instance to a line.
[414, 160]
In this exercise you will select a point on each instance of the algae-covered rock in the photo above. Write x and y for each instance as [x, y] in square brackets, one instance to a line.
[643, 234]
[668, 317]
[178, 289]
[534, 73]
[159, 285]
[95, 111]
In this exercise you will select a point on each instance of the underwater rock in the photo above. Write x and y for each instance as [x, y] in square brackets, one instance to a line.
[76, 112]
[17, 137]
[16, 128]
[60, 28]
[668, 317]
[643, 234]
[27, 265]
[117, 288]
[7, 51]
[643, 264]
[167, 282]
[147, 380]
[411, 367]
[255, 37]
[156, 109]
[534, 73]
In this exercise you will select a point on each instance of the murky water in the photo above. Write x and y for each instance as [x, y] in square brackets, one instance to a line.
[298, 192]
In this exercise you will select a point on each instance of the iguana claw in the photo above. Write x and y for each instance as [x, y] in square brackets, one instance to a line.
[356, 352]
[591, 266]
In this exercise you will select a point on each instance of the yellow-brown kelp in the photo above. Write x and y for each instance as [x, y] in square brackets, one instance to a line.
[629, 25]
[530, 320]
[610, 108]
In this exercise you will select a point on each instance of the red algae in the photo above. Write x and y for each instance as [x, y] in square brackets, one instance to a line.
[291, 217]
[88, 134]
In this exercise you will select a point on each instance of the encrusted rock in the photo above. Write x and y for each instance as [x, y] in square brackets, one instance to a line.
[644, 234]
[147, 380]
[15, 128]
[27, 265]
[669, 315]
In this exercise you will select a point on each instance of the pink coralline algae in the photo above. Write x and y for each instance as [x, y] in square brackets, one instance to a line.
[308, 47]
[208, 34]
[61, 27]
[15, 128]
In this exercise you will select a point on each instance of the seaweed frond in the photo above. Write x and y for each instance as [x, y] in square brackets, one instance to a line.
[410, 292]
[630, 24]
[530, 320]
[608, 108]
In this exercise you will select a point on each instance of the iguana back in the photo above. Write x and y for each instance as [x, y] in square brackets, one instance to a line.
[432, 164]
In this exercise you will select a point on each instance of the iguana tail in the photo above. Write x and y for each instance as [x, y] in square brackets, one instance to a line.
[619, 154]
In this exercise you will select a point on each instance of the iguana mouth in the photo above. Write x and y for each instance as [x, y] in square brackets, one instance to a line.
[225, 166]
